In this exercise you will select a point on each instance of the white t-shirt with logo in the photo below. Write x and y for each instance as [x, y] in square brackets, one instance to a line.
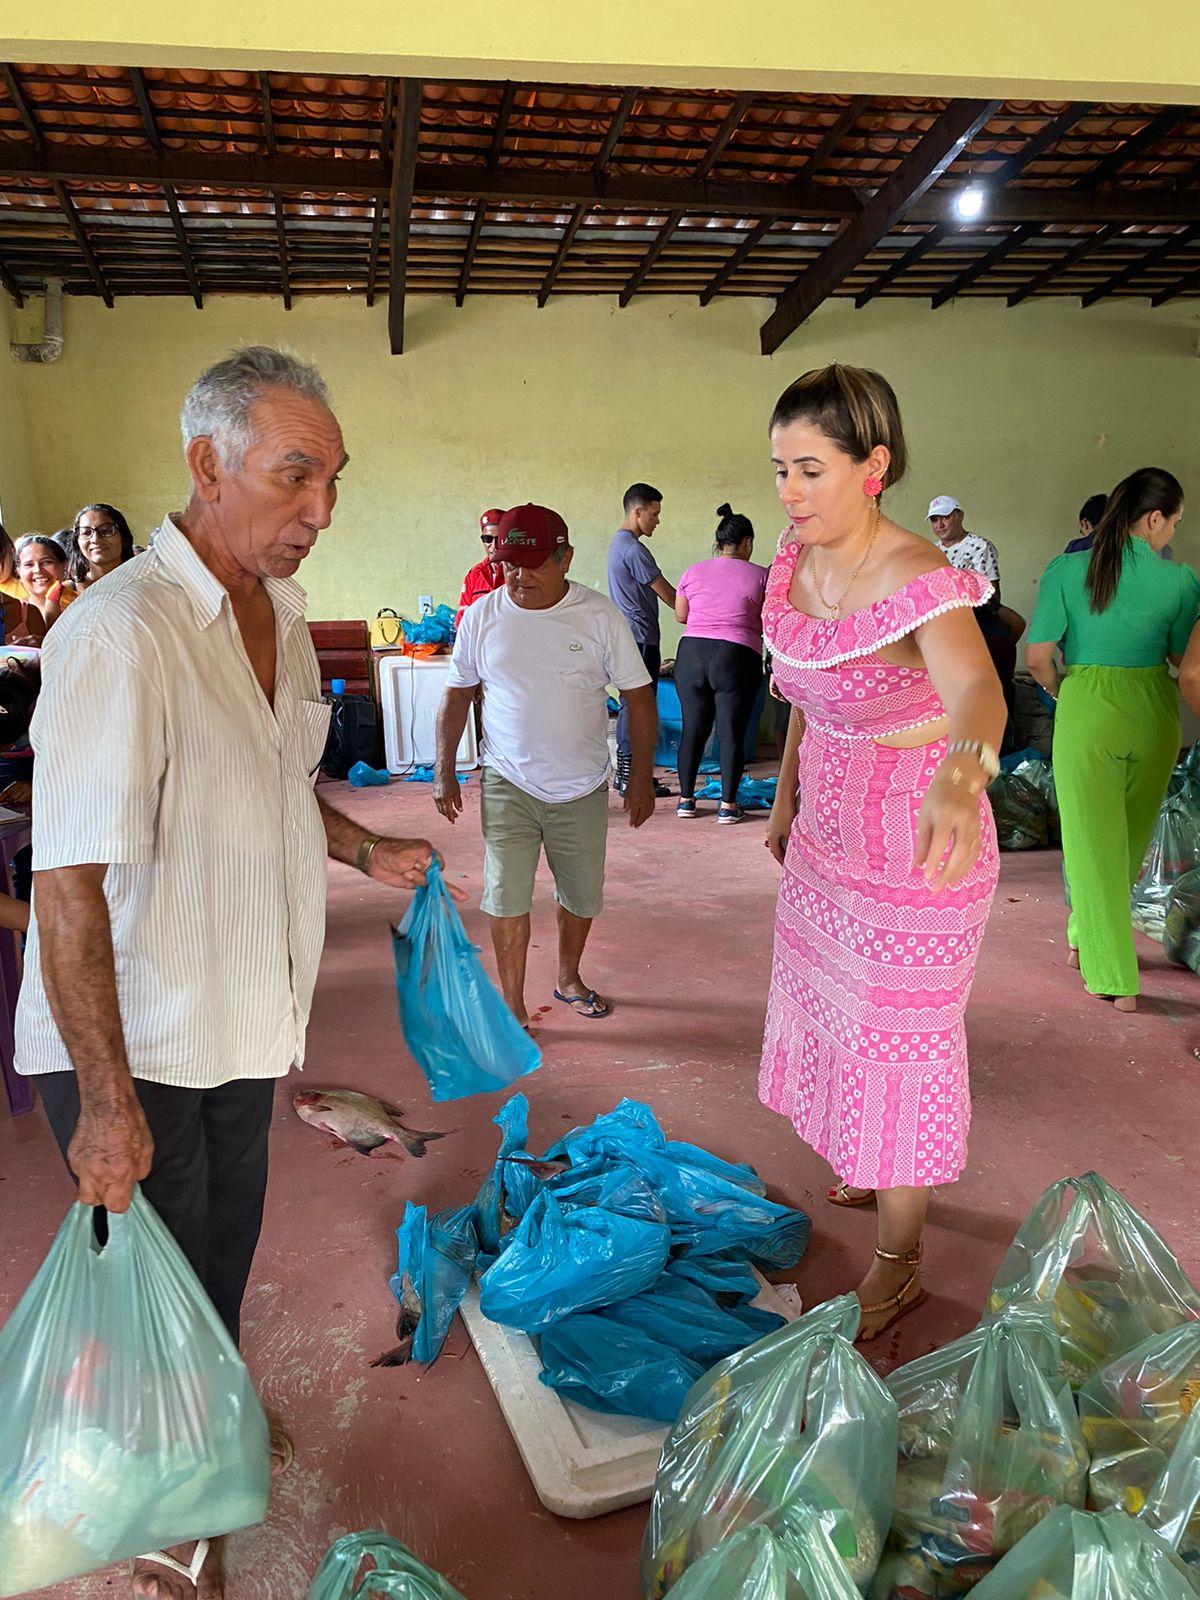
[545, 677]
[974, 553]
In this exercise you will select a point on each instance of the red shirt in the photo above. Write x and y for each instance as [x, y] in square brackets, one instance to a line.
[484, 578]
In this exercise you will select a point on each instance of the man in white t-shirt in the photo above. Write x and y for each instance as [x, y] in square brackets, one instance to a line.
[545, 650]
[969, 552]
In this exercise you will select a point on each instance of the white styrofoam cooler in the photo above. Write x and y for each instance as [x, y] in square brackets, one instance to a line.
[410, 691]
[582, 1463]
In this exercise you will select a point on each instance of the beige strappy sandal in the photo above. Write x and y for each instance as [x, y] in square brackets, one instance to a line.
[191, 1571]
[840, 1195]
[908, 1297]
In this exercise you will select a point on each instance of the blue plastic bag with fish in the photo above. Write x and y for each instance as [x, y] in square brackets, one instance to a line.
[130, 1421]
[462, 1035]
[507, 1191]
[730, 1282]
[754, 794]
[437, 1261]
[712, 1207]
[569, 1255]
[435, 627]
[374, 1566]
[686, 1318]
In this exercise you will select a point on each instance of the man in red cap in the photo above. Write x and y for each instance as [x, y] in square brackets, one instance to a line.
[486, 576]
[544, 651]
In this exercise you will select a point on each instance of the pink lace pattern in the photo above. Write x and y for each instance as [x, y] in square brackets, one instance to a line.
[864, 1048]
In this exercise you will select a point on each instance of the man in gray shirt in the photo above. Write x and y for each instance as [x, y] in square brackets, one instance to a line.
[636, 585]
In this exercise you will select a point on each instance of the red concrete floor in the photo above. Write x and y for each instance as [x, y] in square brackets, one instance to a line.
[1062, 1083]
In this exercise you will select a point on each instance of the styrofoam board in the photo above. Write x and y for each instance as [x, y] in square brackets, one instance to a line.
[583, 1463]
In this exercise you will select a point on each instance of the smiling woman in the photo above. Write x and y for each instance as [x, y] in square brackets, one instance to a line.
[41, 567]
[100, 541]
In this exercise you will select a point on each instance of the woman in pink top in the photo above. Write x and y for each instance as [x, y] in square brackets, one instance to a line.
[718, 667]
[880, 823]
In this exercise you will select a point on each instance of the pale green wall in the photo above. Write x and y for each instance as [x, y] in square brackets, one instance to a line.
[1020, 413]
[19, 499]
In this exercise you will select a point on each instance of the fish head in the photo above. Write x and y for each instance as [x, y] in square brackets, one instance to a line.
[308, 1100]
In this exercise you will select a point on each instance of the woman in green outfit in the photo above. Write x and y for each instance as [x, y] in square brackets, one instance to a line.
[1121, 614]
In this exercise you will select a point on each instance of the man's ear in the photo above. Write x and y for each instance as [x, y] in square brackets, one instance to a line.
[205, 468]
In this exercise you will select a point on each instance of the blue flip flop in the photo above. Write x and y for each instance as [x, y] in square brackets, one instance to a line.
[576, 1001]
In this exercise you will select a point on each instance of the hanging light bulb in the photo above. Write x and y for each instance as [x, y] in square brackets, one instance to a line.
[969, 202]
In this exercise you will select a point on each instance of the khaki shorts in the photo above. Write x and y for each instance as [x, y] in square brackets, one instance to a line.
[515, 828]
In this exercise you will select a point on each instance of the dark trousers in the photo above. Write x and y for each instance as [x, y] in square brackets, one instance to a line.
[652, 656]
[209, 1174]
[718, 681]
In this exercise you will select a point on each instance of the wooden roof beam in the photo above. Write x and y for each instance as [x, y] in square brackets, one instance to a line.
[17, 95]
[404, 166]
[11, 287]
[1183, 284]
[142, 95]
[560, 255]
[1000, 252]
[268, 115]
[1162, 247]
[724, 134]
[615, 129]
[285, 277]
[67, 206]
[927, 242]
[385, 152]
[189, 265]
[816, 160]
[1082, 249]
[923, 165]
[499, 134]
[642, 270]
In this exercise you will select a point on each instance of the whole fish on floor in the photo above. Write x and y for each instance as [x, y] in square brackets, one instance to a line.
[359, 1120]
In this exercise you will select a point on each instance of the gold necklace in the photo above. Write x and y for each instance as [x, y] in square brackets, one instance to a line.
[834, 608]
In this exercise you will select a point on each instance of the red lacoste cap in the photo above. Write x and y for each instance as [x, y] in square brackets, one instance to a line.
[528, 534]
[490, 519]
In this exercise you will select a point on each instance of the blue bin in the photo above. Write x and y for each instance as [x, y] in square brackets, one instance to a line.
[670, 726]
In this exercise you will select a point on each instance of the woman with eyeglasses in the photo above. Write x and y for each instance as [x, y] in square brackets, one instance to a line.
[100, 541]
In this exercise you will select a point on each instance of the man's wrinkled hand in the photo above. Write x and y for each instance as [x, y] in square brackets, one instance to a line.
[110, 1151]
[447, 796]
[639, 802]
[405, 863]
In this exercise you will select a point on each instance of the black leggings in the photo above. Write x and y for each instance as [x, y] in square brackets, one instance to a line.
[717, 681]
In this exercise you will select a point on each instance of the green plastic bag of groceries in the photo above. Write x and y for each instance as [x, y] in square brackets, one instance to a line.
[757, 1565]
[1110, 1280]
[797, 1420]
[374, 1566]
[130, 1422]
[1076, 1555]
[989, 1445]
[1141, 1422]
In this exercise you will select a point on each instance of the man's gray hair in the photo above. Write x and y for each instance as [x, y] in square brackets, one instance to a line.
[219, 405]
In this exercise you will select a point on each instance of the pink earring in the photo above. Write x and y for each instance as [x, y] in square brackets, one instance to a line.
[872, 487]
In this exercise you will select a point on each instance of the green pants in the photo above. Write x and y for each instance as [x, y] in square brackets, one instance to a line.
[1116, 737]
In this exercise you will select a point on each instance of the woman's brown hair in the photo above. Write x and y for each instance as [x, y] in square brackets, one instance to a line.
[853, 406]
[1146, 490]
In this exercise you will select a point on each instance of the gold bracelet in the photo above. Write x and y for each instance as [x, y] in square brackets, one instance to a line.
[363, 856]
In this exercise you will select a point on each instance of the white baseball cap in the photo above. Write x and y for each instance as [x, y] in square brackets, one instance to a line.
[942, 505]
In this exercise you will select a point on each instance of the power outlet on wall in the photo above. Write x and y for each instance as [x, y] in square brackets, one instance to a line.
[424, 605]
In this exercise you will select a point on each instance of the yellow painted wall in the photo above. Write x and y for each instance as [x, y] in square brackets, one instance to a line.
[1020, 413]
[19, 502]
[1095, 49]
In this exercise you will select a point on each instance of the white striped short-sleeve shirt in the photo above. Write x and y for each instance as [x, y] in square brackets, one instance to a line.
[158, 754]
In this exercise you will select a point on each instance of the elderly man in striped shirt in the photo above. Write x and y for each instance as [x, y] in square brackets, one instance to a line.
[179, 846]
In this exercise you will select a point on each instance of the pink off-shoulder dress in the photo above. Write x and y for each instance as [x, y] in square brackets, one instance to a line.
[865, 1049]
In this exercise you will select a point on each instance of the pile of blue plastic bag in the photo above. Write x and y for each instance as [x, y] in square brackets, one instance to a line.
[435, 627]
[754, 794]
[628, 1255]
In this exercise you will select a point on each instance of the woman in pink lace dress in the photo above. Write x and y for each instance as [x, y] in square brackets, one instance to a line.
[881, 824]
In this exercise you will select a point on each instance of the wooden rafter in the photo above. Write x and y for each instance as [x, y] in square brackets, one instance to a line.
[1158, 127]
[1183, 283]
[142, 95]
[189, 266]
[17, 95]
[1158, 250]
[927, 242]
[1077, 253]
[285, 275]
[725, 133]
[923, 165]
[479, 217]
[10, 285]
[659, 244]
[816, 160]
[404, 166]
[67, 206]
[1000, 251]
[385, 155]
[560, 255]
[268, 115]
[615, 129]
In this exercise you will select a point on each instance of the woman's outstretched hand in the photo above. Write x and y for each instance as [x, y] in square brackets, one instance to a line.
[948, 836]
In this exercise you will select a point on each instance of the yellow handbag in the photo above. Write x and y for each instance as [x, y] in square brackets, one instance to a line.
[386, 631]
